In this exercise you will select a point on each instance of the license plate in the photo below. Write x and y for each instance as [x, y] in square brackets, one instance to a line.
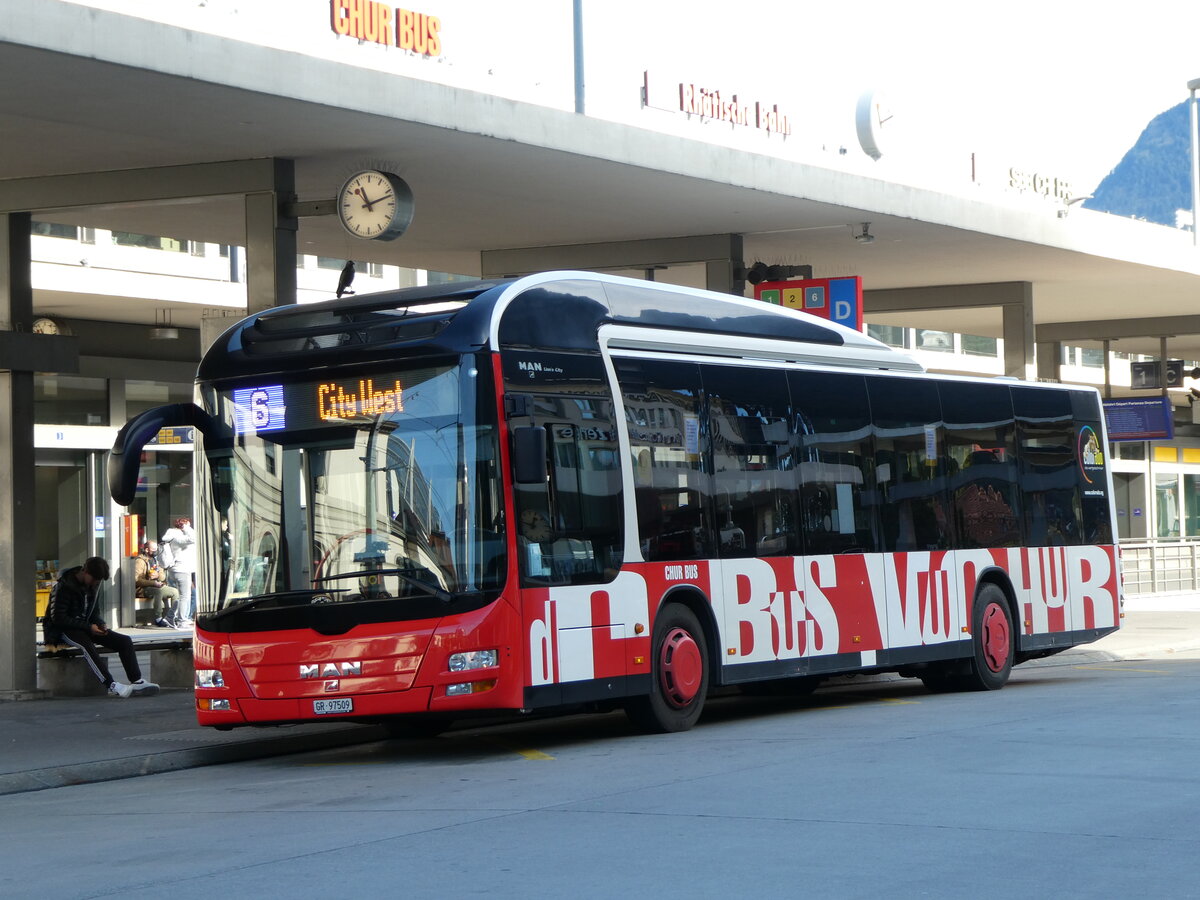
[333, 705]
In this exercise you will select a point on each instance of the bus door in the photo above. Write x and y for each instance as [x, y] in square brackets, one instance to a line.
[578, 607]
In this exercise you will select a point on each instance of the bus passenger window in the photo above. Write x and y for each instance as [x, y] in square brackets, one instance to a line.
[1049, 473]
[981, 450]
[753, 480]
[910, 469]
[834, 462]
[662, 411]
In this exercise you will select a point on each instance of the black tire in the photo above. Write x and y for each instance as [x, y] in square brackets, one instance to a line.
[993, 639]
[942, 679]
[416, 727]
[678, 674]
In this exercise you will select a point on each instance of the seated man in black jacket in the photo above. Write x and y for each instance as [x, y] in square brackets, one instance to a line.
[73, 617]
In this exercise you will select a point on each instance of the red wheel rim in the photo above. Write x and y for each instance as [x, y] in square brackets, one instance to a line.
[680, 668]
[996, 637]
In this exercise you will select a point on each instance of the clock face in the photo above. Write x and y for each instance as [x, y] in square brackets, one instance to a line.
[534, 525]
[45, 326]
[375, 205]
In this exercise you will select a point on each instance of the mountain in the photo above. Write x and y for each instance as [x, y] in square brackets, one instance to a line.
[1153, 179]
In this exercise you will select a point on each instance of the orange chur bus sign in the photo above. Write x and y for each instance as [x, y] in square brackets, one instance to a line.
[366, 20]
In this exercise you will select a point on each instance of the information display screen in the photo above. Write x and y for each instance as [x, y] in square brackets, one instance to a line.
[295, 407]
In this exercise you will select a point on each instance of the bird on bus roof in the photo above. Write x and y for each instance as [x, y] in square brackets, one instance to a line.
[346, 279]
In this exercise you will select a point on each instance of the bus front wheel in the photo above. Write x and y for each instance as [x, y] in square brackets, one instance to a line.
[679, 674]
[993, 641]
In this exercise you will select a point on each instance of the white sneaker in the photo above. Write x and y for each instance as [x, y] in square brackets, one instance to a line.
[117, 689]
[143, 687]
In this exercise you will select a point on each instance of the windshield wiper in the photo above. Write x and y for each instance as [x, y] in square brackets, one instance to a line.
[238, 605]
[405, 575]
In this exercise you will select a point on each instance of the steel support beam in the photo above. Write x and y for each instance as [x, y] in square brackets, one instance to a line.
[243, 176]
[1115, 329]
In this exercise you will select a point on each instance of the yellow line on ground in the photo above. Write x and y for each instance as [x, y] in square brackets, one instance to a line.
[533, 754]
[897, 701]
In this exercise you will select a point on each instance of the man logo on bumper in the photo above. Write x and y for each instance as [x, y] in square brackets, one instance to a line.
[330, 670]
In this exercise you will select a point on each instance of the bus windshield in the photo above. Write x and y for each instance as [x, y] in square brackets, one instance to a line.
[354, 487]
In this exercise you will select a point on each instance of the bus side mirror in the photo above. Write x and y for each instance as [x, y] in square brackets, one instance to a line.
[529, 454]
[125, 457]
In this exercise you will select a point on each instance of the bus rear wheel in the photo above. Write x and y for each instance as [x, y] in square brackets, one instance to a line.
[678, 674]
[993, 640]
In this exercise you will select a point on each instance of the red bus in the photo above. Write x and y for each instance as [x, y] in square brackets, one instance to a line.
[577, 491]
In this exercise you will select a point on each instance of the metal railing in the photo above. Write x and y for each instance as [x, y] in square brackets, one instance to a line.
[1160, 566]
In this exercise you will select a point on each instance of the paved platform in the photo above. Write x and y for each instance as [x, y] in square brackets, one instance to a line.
[54, 742]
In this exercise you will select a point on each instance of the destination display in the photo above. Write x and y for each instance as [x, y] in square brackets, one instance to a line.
[266, 408]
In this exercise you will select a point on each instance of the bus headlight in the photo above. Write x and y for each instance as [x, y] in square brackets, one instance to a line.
[209, 678]
[474, 659]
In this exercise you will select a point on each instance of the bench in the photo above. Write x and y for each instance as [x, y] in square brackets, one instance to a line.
[63, 673]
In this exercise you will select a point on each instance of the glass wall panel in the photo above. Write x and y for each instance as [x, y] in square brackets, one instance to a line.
[1191, 504]
[143, 395]
[70, 400]
[1168, 511]
[978, 345]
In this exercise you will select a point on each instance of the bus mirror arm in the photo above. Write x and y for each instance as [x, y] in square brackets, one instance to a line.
[125, 457]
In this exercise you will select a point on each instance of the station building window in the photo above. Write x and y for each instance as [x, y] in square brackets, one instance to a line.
[53, 229]
[70, 400]
[938, 341]
[150, 241]
[978, 345]
[892, 335]
[370, 269]
[143, 395]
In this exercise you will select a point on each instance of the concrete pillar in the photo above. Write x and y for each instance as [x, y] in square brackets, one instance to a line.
[721, 274]
[1019, 360]
[271, 242]
[1049, 360]
[18, 664]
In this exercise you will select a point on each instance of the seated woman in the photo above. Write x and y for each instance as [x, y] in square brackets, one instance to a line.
[151, 585]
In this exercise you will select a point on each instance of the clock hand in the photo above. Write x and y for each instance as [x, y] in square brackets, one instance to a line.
[362, 195]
